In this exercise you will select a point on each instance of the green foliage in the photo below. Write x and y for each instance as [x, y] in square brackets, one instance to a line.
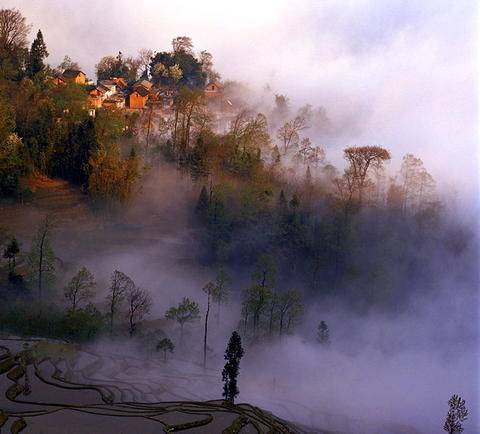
[185, 312]
[25, 319]
[192, 72]
[82, 324]
[233, 355]
[12, 165]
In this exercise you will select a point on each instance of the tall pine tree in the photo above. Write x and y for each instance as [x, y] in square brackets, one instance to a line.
[233, 354]
[38, 53]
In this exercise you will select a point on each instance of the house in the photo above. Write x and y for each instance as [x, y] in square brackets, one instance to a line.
[108, 84]
[143, 83]
[74, 76]
[116, 101]
[120, 82]
[138, 98]
[213, 89]
[96, 97]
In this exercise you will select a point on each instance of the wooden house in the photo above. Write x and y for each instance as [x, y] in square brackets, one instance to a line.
[138, 98]
[74, 76]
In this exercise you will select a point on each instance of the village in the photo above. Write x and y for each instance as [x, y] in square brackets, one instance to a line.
[144, 96]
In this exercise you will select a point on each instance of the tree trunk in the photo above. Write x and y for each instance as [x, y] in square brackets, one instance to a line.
[206, 332]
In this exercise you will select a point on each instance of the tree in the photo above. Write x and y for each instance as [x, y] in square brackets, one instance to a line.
[165, 345]
[255, 300]
[206, 60]
[121, 284]
[68, 63]
[38, 53]
[207, 289]
[221, 290]
[139, 304]
[13, 43]
[182, 44]
[323, 334]
[118, 66]
[265, 271]
[288, 133]
[144, 58]
[417, 185]
[80, 288]
[290, 306]
[10, 253]
[193, 75]
[457, 413]
[233, 354]
[361, 159]
[41, 260]
[184, 312]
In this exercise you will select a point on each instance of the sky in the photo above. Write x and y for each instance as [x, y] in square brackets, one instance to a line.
[397, 73]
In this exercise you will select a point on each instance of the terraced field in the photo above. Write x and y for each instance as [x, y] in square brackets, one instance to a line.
[52, 387]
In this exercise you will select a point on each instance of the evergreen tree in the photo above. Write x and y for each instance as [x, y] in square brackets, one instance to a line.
[323, 334]
[38, 53]
[233, 354]
[457, 414]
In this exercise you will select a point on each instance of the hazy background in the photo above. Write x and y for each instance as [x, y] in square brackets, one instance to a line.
[401, 74]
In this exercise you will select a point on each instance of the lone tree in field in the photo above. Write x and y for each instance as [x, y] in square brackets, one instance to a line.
[121, 284]
[457, 413]
[41, 260]
[80, 288]
[184, 312]
[323, 334]
[165, 345]
[233, 354]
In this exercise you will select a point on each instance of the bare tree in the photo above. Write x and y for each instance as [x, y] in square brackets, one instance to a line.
[139, 305]
[289, 307]
[144, 59]
[13, 30]
[288, 133]
[80, 288]
[41, 259]
[207, 289]
[120, 285]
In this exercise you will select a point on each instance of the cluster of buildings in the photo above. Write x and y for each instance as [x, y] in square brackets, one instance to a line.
[115, 92]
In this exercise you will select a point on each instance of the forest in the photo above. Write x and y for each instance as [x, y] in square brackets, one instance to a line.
[277, 226]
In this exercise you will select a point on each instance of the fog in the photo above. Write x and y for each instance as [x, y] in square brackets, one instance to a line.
[386, 370]
[398, 74]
